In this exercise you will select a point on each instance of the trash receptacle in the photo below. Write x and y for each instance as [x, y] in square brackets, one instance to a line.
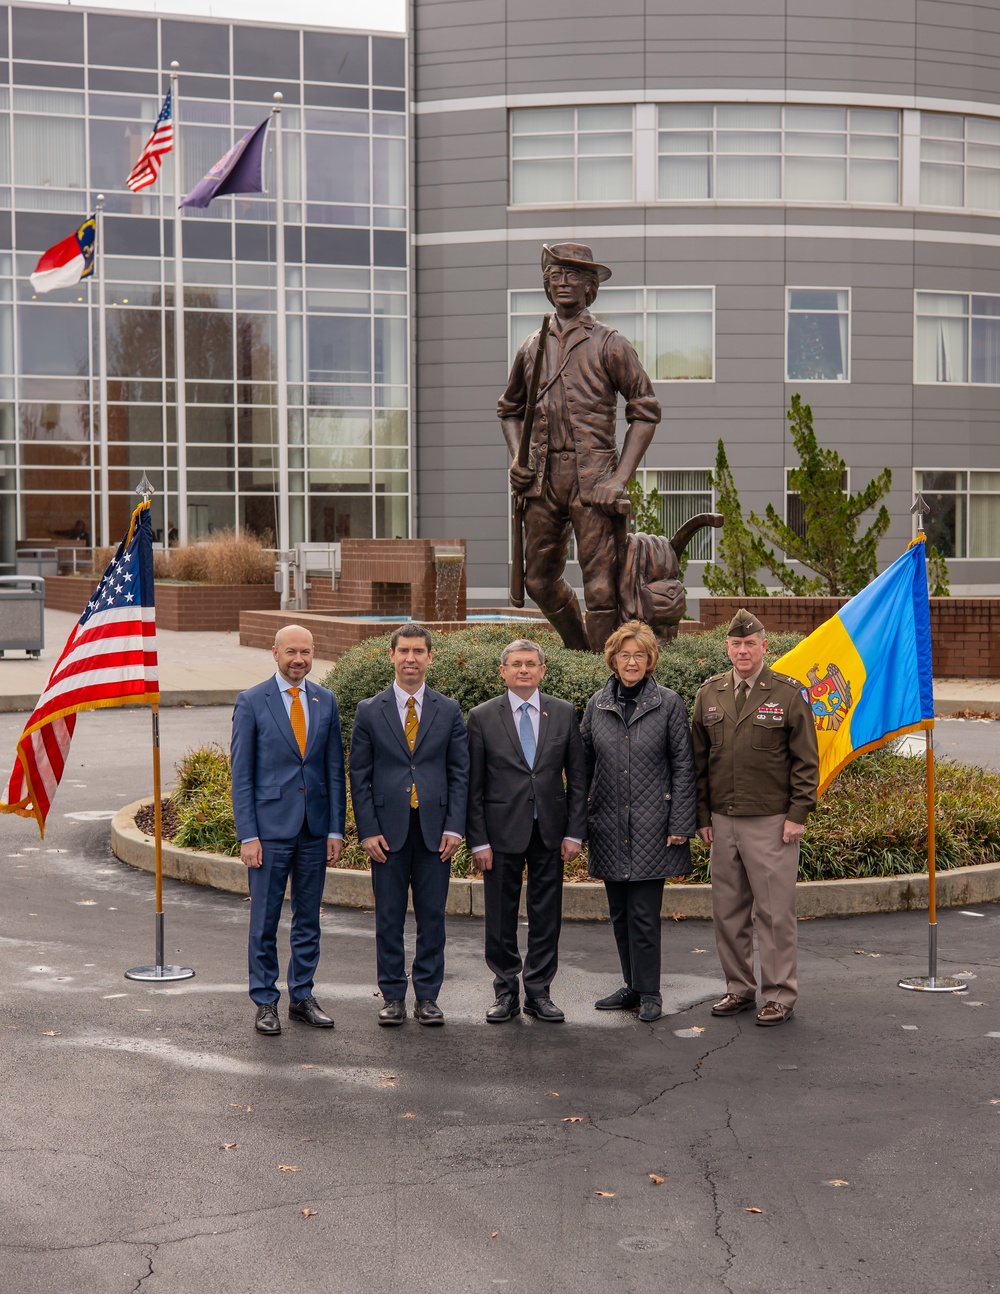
[22, 614]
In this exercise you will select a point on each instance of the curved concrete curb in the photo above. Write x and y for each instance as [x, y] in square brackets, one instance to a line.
[581, 902]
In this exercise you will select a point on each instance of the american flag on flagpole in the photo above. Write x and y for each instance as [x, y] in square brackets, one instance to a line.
[160, 142]
[110, 659]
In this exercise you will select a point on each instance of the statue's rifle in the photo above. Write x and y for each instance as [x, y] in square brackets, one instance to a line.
[523, 447]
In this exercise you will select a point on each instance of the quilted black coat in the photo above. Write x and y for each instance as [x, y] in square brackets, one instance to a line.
[642, 785]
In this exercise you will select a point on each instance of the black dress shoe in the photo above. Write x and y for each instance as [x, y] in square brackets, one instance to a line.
[622, 999]
[427, 1011]
[543, 1008]
[267, 1019]
[650, 1007]
[506, 1007]
[394, 1012]
[309, 1011]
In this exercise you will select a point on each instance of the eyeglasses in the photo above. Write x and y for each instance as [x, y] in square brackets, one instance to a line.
[638, 657]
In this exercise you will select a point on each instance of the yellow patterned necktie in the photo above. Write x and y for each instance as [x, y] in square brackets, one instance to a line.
[410, 731]
[298, 717]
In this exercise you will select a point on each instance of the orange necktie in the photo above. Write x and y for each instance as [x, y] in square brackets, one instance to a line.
[410, 731]
[298, 717]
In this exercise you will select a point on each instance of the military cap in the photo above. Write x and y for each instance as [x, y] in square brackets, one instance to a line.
[577, 256]
[743, 624]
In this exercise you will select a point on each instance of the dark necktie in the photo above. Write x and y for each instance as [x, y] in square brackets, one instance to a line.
[742, 688]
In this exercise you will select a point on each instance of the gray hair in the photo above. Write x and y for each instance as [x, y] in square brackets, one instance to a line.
[522, 644]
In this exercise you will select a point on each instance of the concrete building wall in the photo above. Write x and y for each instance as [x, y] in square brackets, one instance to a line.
[473, 61]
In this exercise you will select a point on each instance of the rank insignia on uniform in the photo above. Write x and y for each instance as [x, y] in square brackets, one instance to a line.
[829, 698]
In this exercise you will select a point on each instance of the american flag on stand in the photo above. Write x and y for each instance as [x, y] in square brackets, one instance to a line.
[160, 142]
[110, 659]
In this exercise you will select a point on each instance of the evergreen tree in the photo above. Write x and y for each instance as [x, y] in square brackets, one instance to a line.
[740, 554]
[844, 561]
[645, 508]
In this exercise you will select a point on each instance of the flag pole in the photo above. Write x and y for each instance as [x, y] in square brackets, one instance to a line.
[158, 971]
[102, 378]
[284, 537]
[931, 982]
[180, 367]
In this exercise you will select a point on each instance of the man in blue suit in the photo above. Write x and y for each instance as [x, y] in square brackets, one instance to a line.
[289, 802]
[410, 785]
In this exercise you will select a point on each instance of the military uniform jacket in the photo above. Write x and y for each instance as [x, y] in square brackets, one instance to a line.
[586, 366]
[764, 761]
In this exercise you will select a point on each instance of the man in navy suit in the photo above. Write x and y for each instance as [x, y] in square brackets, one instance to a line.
[410, 784]
[289, 802]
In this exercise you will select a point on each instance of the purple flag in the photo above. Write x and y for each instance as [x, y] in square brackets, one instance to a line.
[239, 171]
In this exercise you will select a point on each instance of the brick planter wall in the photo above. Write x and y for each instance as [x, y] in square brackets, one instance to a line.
[332, 636]
[965, 632]
[186, 608]
[386, 577]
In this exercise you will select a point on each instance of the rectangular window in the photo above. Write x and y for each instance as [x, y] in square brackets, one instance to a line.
[561, 155]
[957, 338]
[818, 335]
[672, 329]
[964, 519]
[681, 495]
[765, 152]
[794, 514]
[959, 161]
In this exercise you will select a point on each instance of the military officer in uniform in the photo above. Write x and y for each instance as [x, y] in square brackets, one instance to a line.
[757, 768]
[575, 481]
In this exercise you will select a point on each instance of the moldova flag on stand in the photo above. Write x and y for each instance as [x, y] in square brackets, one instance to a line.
[69, 261]
[867, 670]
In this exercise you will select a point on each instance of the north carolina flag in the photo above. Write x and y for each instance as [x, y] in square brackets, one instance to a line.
[69, 261]
[867, 670]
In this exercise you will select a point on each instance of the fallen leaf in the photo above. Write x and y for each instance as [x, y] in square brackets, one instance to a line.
[307, 1067]
[51, 1033]
[874, 954]
[308, 1213]
[389, 1078]
[753, 1210]
[656, 1179]
[859, 952]
[494, 1234]
[289, 1168]
[696, 1028]
[678, 916]
[697, 950]
[390, 1084]
[607, 1195]
[551, 1093]
[837, 1181]
[409, 1115]
[573, 1118]
[995, 1100]
[230, 1145]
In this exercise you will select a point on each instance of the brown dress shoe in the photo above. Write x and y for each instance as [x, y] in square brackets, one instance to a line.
[774, 1013]
[732, 1005]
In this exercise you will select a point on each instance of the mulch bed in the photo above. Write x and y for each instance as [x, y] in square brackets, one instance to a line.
[144, 820]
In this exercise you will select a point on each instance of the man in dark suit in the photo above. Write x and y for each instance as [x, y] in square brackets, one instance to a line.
[410, 784]
[289, 802]
[521, 814]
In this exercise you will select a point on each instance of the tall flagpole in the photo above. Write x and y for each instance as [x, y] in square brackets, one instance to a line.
[158, 971]
[180, 370]
[931, 982]
[284, 538]
[102, 377]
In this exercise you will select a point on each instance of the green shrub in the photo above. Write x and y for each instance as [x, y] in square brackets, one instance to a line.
[871, 822]
[466, 666]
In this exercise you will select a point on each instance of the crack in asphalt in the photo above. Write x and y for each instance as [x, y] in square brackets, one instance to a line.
[150, 1254]
[717, 1210]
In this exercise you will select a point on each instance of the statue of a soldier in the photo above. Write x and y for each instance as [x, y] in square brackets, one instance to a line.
[575, 479]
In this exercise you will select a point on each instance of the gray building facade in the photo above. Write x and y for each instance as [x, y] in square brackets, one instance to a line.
[802, 197]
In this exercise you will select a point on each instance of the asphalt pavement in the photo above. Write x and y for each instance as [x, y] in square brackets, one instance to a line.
[153, 1142]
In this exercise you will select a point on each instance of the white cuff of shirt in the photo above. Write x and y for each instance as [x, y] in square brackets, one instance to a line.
[454, 834]
[334, 836]
[478, 849]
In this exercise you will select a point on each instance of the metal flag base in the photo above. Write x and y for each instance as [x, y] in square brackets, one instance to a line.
[932, 982]
[159, 971]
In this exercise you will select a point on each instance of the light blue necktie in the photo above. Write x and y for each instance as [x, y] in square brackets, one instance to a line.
[527, 734]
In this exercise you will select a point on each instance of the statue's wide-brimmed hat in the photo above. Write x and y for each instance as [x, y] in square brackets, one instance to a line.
[577, 256]
[743, 624]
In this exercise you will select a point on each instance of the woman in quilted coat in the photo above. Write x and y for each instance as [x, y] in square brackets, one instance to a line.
[641, 807]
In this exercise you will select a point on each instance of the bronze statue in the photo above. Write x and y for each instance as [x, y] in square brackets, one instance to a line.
[559, 411]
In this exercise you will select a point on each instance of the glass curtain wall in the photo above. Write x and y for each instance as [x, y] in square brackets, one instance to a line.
[79, 93]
